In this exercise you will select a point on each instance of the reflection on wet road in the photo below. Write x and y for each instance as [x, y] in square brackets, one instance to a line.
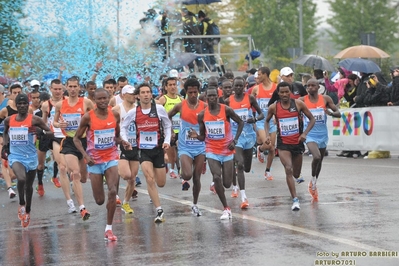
[356, 212]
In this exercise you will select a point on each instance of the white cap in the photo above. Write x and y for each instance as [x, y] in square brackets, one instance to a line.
[2, 89]
[173, 73]
[34, 83]
[128, 89]
[256, 74]
[286, 71]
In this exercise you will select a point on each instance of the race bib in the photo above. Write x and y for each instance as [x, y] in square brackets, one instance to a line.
[148, 140]
[242, 113]
[263, 102]
[192, 141]
[104, 139]
[131, 135]
[73, 121]
[289, 126]
[176, 122]
[318, 115]
[215, 129]
[19, 135]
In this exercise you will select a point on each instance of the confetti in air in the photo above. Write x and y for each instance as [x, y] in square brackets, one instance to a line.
[43, 36]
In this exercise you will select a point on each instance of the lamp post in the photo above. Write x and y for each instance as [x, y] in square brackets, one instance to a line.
[300, 28]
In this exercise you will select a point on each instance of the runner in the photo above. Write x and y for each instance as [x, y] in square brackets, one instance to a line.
[9, 110]
[128, 165]
[68, 113]
[243, 104]
[290, 134]
[263, 92]
[169, 100]
[40, 138]
[48, 114]
[19, 134]
[102, 127]
[215, 130]
[191, 151]
[153, 129]
[317, 139]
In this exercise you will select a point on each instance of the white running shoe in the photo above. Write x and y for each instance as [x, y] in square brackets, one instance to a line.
[195, 210]
[295, 205]
[71, 206]
[226, 215]
[11, 193]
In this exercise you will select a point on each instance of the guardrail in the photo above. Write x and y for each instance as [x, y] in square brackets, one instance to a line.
[172, 38]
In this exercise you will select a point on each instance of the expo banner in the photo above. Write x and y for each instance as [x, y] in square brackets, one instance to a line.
[371, 128]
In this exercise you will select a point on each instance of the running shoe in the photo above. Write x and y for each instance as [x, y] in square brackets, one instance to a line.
[260, 155]
[25, 221]
[134, 195]
[234, 193]
[138, 181]
[268, 176]
[226, 214]
[126, 208]
[110, 236]
[172, 174]
[300, 179]
[212, 189]
[21, 212]
[118, 202]
[295, 205]
[11, 193]
[204, 168]
[85, 214]
[71, 206]
[159, 218]
[40, 190]
[56, 182]
[244, 204]
[195, 210]
[313, 191]
[185, 185]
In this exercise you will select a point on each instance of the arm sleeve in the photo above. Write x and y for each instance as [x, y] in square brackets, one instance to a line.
[129, 118]
[167, 125]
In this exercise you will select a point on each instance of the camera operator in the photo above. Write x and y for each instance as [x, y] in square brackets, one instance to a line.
[376, 94]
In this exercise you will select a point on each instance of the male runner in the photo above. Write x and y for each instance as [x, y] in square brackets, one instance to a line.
[320, 106]
[153, 129]
[19, 133]
[191, 150]
[102, 125]
[68, 113]
[290, 134]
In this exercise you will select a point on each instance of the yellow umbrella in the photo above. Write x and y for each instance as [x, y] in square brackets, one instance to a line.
[364, 51]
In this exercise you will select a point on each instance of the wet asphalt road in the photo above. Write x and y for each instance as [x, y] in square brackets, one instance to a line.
[357, 212]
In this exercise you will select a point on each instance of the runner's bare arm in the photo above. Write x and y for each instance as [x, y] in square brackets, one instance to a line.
[83, 126]
[255, 105]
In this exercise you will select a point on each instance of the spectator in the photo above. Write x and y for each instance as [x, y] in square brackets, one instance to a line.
[207, 43]
[393, 92]
[162, 22]
[191, 45]
[376, 94]
[350, 92]
[362, 90]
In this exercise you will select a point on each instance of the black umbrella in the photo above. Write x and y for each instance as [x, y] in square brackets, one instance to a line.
[360, 65]
[314, 61]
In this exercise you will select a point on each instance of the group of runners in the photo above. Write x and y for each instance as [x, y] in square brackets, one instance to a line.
[105, 137]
